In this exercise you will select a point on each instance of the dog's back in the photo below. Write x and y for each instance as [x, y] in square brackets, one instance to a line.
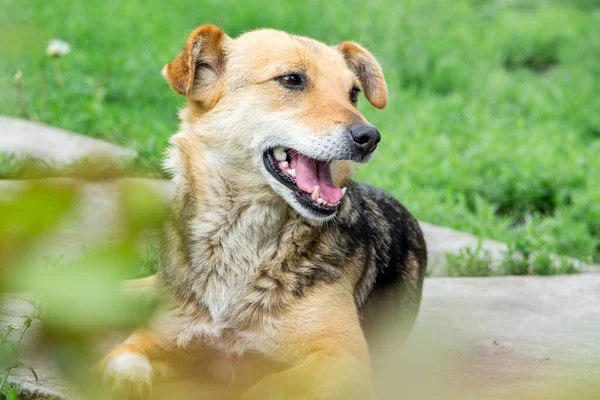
[400, 260]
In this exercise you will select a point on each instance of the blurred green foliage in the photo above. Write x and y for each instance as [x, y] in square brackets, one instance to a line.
[24, 218]
[80, 299]
[492, 126]
[97, 168]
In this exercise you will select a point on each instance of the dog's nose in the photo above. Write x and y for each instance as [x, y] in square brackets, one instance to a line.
[365, 137]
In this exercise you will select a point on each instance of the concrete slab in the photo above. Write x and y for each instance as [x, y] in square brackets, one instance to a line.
[54, 145]
[480, 338]
[510, 336]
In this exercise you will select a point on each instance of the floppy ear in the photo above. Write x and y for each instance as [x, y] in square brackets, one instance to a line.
[368, 71]
[195, 72]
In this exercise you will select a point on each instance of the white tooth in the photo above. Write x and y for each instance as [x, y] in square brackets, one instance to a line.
[279, 154]
[320, 200]
[315, 193]
[284, 165]
[344, 191]
[292, 172]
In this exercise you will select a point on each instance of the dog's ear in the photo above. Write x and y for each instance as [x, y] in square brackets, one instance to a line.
[195, 72]
[368, 71]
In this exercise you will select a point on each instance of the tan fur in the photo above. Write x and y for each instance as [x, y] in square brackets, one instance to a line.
[243, 273]
[368, 70]
[196, 70]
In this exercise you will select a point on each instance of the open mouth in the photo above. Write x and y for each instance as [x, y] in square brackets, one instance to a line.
[309, 179]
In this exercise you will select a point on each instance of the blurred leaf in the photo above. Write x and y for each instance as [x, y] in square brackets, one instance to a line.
[9, 392]
[143, 207]
[35, 209]
[27, 214]
[84, 299]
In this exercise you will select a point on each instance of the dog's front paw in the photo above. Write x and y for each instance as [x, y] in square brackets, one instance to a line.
[129, 376]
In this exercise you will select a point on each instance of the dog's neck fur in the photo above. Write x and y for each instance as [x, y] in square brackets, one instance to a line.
[231, 227]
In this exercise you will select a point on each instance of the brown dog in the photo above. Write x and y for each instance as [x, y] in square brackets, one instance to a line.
[273, 251]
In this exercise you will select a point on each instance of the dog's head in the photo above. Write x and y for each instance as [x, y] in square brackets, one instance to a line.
[283, 106]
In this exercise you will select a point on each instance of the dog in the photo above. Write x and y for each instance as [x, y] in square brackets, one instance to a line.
[273, 252]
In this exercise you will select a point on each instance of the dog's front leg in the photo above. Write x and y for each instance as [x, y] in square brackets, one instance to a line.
[323, 342]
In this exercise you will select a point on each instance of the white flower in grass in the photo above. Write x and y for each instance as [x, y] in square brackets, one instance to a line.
[18, 75]
[57, 48]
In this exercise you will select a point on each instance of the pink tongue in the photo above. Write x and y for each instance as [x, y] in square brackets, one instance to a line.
[311, 173]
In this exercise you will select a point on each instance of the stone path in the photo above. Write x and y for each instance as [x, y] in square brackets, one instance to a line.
[475, 338]
[54, 145]
[514, 335]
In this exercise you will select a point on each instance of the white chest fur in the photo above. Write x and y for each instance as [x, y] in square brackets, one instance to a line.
[227, 248]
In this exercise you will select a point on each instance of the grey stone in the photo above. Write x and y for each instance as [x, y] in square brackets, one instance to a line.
[501, 336]
[54, 145]
[515, 335]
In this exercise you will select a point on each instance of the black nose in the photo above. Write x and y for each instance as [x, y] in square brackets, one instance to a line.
[365, 137]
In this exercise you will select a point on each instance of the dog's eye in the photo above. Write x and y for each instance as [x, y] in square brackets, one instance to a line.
[292, 81]
[354, 95]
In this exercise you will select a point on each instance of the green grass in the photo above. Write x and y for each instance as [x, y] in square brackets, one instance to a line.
[493, 125]
[469, 262]
[521, 258]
